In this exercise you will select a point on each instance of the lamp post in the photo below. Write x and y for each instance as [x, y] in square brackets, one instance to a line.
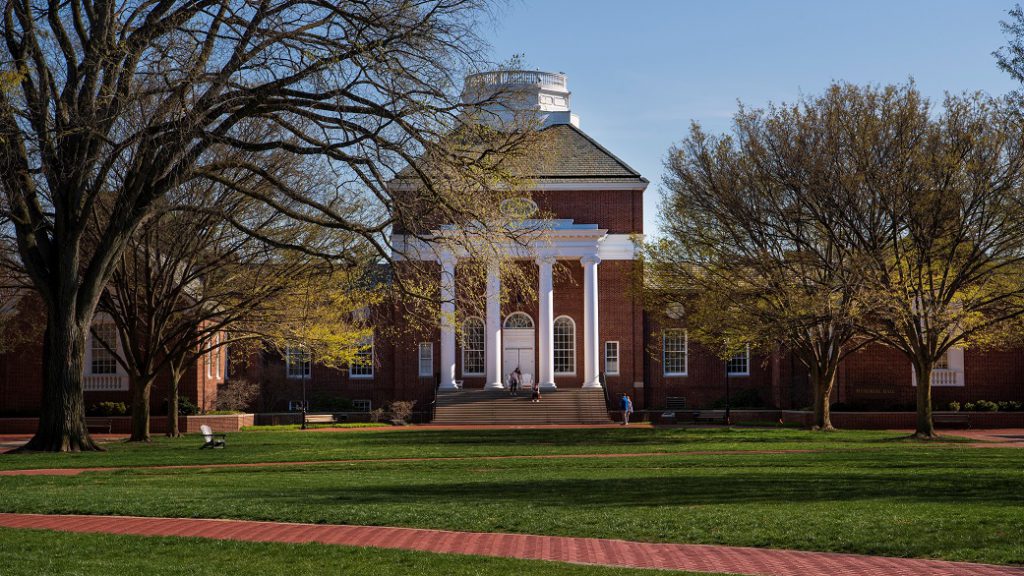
[304, 376]
[728, 403]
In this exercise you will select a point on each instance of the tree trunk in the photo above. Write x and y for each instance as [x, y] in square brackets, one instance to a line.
[925, 425]
[823, 400]
[62, 425]
[141, 392]
[172, 406]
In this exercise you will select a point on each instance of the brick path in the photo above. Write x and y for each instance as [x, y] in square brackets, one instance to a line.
[77, 471]
[689, 557]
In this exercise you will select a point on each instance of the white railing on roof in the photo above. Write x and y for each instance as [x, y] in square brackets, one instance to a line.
[516, 77]
[104, 382]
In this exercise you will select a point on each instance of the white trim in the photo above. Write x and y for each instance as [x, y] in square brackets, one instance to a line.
[306, 367]
[504, 323]
[483, 327]
[618, 358]
[398, 185]
[686, 353]
[745, 353]
[373, 360]
[575, 359]
[419, 359]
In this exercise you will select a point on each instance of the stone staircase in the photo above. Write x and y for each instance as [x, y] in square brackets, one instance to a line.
[562, 406]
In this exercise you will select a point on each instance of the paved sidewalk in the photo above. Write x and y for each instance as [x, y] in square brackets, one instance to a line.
[699, 558]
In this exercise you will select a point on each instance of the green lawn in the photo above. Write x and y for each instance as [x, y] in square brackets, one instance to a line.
[412, 442]
[42, 553]
[861, 492]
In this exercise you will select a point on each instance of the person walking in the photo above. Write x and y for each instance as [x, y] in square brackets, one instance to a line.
[513, 382]
[627, 409]
[536, 392]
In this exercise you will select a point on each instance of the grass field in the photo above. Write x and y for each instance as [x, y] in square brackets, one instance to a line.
[861, 492]
[40, 553]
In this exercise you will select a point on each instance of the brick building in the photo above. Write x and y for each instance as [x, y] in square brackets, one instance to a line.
[583, 329]
[104, 379]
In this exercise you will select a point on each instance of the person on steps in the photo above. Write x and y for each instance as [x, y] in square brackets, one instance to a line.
[513, 382]
[536, 392]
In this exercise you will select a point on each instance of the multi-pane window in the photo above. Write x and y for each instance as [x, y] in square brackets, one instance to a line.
[673, 346]
[943, 362]
[739, 364]
[611, 358]
[426, 359]
[103, 361]
[473, 347]
[518, 320]
[565, 345]
[297, 362]
[362, 365]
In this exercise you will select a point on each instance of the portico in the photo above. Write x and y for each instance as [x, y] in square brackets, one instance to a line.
[564, 241]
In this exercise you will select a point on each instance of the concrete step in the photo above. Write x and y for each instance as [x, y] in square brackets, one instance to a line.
[563, 406]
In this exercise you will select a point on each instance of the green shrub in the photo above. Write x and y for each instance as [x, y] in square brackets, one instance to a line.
[108, 409]
[986, 406]
[749, 398]
[327, 403]
[969, 406]
[954, 406]
[186, 407]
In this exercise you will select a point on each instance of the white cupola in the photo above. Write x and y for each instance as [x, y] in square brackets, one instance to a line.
[504, 93]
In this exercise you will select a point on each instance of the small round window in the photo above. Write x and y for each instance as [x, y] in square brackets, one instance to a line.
[519, 207]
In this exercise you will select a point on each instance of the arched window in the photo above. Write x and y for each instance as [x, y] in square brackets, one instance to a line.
[473, 347]
[565, 346]
[518, 320]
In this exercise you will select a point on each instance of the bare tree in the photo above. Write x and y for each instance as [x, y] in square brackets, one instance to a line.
[111, 106]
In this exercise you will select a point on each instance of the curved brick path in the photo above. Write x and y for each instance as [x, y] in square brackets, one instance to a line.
[700, 558]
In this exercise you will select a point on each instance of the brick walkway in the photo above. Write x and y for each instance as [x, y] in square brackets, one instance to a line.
[77, 471]
[689, 557]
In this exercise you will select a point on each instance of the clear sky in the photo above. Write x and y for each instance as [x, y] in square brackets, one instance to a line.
[641, 70]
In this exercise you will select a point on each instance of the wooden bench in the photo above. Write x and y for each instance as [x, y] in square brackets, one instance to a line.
[952, 418]
[323, 418]
[708, 418]
[675, 410]
[99, 425]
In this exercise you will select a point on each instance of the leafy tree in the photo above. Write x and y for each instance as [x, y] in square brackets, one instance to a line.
[744, 251]
[935, 219]
[109, 107]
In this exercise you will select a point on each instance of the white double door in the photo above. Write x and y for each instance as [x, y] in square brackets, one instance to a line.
[518, 352]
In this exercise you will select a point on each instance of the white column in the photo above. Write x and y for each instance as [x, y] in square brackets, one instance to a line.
[546, 321]
[591, 342]
[493, 336]
[447, 322]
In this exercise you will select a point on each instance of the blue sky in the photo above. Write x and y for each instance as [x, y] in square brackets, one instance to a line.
[641, 70]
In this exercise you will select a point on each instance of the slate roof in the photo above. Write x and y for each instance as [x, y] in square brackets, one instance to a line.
[569, 155]
[572, 156]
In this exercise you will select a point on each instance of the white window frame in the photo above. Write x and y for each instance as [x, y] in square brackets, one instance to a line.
[554, 342]
[95, 345]
[746, 355]
[426, 363]
[483, 324]
[618, 358]
[306, 368]
[368, 367]
[685, 351]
